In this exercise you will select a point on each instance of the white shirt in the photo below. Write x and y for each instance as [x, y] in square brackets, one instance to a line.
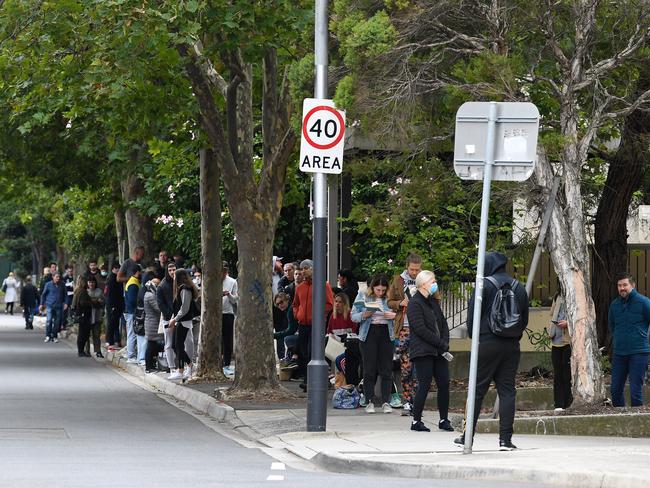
[229, 284]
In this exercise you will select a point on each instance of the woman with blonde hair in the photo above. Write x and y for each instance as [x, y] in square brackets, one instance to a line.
[185, 309]
[428, 341]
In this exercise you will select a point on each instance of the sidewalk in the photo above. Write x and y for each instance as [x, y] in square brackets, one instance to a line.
[381, 444]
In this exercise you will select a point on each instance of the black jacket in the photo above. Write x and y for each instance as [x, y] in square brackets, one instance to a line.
[114, 293]
[29, 296]
[165, 298]
[429, 332]
[495, 266]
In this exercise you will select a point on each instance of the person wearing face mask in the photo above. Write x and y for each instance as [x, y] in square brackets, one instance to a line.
[428, 341]
[375, 319]
[93, 271]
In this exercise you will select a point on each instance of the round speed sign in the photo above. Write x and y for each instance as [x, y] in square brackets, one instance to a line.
[323, 127]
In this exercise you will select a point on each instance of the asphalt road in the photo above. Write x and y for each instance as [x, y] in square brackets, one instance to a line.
[74, 422]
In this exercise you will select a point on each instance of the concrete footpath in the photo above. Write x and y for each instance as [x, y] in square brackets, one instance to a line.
[383, 444]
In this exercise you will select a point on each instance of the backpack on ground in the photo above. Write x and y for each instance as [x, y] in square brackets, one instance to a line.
[346, 397]
[504, 317]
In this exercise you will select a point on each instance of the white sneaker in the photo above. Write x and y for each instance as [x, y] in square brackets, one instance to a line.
[187, 373]
[370, 408]
[55, 340]
[176, 375]
[142, 363]
[132, 361]
[47, 339]
[386, 408]
[559, 409]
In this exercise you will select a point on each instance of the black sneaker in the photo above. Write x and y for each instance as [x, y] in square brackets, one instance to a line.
[460, 441]
[506, 445]
[99, 355]
[420, 427]
[445, 424]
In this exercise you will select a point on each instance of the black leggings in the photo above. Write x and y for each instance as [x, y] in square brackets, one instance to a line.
[181, 356]
[9, 308]
[227, 336]
[426, 369]
[154, 347]
[377, 357]
[83, 334]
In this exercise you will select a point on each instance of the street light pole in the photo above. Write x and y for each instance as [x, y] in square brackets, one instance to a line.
[317, 368]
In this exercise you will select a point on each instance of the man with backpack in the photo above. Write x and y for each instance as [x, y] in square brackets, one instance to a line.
[504, 317]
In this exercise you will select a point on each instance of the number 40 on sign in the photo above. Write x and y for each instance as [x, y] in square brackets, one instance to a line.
[323, 137]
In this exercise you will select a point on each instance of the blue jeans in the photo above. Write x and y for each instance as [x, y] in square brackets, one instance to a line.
[142, 347]
[634, 366]
[28, 313]
[53, 321]
[131, 337]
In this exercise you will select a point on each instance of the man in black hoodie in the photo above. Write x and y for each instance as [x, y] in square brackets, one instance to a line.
[165, 300]
[498, 357]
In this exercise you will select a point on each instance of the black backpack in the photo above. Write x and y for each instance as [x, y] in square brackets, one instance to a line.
[504, 315]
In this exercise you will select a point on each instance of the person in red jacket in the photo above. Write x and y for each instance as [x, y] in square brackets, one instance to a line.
[302, 308]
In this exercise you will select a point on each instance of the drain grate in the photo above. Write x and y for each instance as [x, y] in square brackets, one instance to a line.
[32, 434]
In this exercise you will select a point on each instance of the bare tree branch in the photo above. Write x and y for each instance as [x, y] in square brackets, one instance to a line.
[208, 69]
[602, 68]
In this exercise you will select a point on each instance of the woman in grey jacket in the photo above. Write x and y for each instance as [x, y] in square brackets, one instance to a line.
[151, 323]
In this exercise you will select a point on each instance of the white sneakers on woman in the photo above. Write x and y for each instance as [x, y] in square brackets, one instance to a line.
[176, 375]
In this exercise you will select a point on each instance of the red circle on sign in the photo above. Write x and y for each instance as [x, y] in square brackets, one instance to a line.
[306, 135]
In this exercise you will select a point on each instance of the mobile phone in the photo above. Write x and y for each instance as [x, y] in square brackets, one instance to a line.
[555, 322]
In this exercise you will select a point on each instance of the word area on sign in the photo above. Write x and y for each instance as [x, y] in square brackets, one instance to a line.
[323, 141]
[316, 162]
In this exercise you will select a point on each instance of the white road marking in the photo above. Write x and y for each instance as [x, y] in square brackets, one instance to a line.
[278, 467]
[275, 477]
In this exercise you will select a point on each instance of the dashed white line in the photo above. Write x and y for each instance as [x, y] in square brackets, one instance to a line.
[275, 477]
[278, 467]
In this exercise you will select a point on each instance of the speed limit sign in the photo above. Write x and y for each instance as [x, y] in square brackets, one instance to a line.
[322, 142]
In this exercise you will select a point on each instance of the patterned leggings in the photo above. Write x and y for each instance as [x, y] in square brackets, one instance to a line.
[408, 378]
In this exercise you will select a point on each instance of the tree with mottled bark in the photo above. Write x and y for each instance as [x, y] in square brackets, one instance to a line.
[574, 59]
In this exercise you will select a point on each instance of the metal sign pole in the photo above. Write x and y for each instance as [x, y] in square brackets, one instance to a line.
[317, 368]
[542, 235]
[480, 267]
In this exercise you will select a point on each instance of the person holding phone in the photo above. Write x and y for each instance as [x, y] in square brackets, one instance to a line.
[558, 331]
[228, 311]
[428, 344]
[375, 319]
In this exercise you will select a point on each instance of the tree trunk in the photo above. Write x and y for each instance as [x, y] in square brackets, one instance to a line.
[139, 227]
[623, 179]
[254, 350]
[120, 232]
[567, 245]
[209, 361]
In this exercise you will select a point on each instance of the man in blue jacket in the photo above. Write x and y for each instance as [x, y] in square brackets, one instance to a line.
[629, 316]
[53, 301]
[131, 289]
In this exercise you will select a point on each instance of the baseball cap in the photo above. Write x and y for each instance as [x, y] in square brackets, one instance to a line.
[306, 263]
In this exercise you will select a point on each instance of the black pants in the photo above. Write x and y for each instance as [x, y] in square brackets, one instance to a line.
[227, 336]
[96, 330]
[426, 369]
[377, 356]
[304, 348]
[561, 358]
[352, 361]
[84, 334]
[153, 348]
[179, 340]
[9, 308]
[113, 316]
[278, 326]
[498, 360]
